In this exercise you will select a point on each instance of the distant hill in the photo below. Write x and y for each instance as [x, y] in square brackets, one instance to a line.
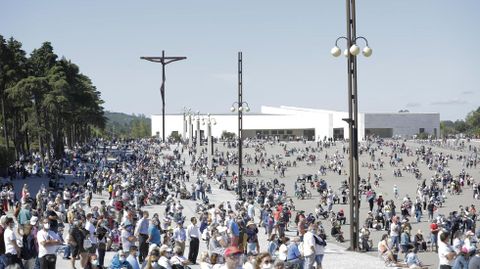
[127, 126]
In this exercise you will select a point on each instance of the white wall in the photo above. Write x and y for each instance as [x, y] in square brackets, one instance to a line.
[250, 121]
[404, 124]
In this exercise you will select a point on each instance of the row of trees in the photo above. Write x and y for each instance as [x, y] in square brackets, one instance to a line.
[45, 101]
[469, 127]
[120, 125]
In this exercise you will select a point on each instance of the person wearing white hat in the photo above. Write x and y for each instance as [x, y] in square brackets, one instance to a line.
[163, 260]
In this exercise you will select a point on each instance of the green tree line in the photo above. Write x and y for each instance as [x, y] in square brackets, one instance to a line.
[469, 127]
[120, 125]
[46, 102]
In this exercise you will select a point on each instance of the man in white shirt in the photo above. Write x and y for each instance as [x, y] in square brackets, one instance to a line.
[90, 227]
[309, 247]
[446, 254]
[66, 197]
[193, 234]
[12, 251]
[48, 242]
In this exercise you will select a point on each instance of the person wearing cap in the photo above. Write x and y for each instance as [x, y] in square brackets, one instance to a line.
[163, 260]
[48, 242]
[233, 258]
[180, 236]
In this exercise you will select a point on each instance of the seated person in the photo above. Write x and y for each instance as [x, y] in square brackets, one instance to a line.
[178, 260]
[385, 252]
[412, 260]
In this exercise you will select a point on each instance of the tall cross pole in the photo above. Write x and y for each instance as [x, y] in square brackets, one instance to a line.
[164, 61]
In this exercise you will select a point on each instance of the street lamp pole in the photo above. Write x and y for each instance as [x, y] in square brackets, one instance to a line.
[198, 133]
[164, 61]
[190, 130]
[186, 112]
[351, 52]
[240, 105]
[209, 121]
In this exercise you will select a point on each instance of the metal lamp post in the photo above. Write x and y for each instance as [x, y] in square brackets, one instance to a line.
[199, 140]
[186, 112]
[351, 52]
[240, 104]
[209, 121]
[190, 130]
[164, 61]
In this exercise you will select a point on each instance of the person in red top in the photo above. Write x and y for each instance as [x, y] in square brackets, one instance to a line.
[280, 207]
[434, 234]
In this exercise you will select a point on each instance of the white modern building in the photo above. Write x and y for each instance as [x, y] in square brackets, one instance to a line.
[287, 123]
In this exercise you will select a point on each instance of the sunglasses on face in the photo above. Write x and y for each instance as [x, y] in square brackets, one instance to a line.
[268, 261]
[235, 256]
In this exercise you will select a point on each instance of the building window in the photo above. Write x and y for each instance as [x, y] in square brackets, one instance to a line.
[281, 132]
[421, 130]
[274, 132]
[289, 132]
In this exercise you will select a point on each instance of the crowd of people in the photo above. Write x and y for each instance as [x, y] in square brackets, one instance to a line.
[130, 177]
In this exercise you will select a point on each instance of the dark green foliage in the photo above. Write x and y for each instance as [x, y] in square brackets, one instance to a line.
[122, 125]
[469, 127]
[46, 103]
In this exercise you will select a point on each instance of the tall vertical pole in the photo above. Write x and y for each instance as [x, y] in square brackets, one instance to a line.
[163, 95]
[353, 128]
[209, 146]
[198, 135]
[240, 128]
[190, 129]
[184, 134]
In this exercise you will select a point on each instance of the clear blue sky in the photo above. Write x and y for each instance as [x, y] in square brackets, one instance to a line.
[425, 57]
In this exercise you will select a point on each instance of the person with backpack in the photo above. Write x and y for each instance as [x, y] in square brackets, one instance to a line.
[29, 247]
[76, 241]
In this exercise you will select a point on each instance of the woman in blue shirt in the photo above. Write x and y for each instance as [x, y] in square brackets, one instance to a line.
[154, 232]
